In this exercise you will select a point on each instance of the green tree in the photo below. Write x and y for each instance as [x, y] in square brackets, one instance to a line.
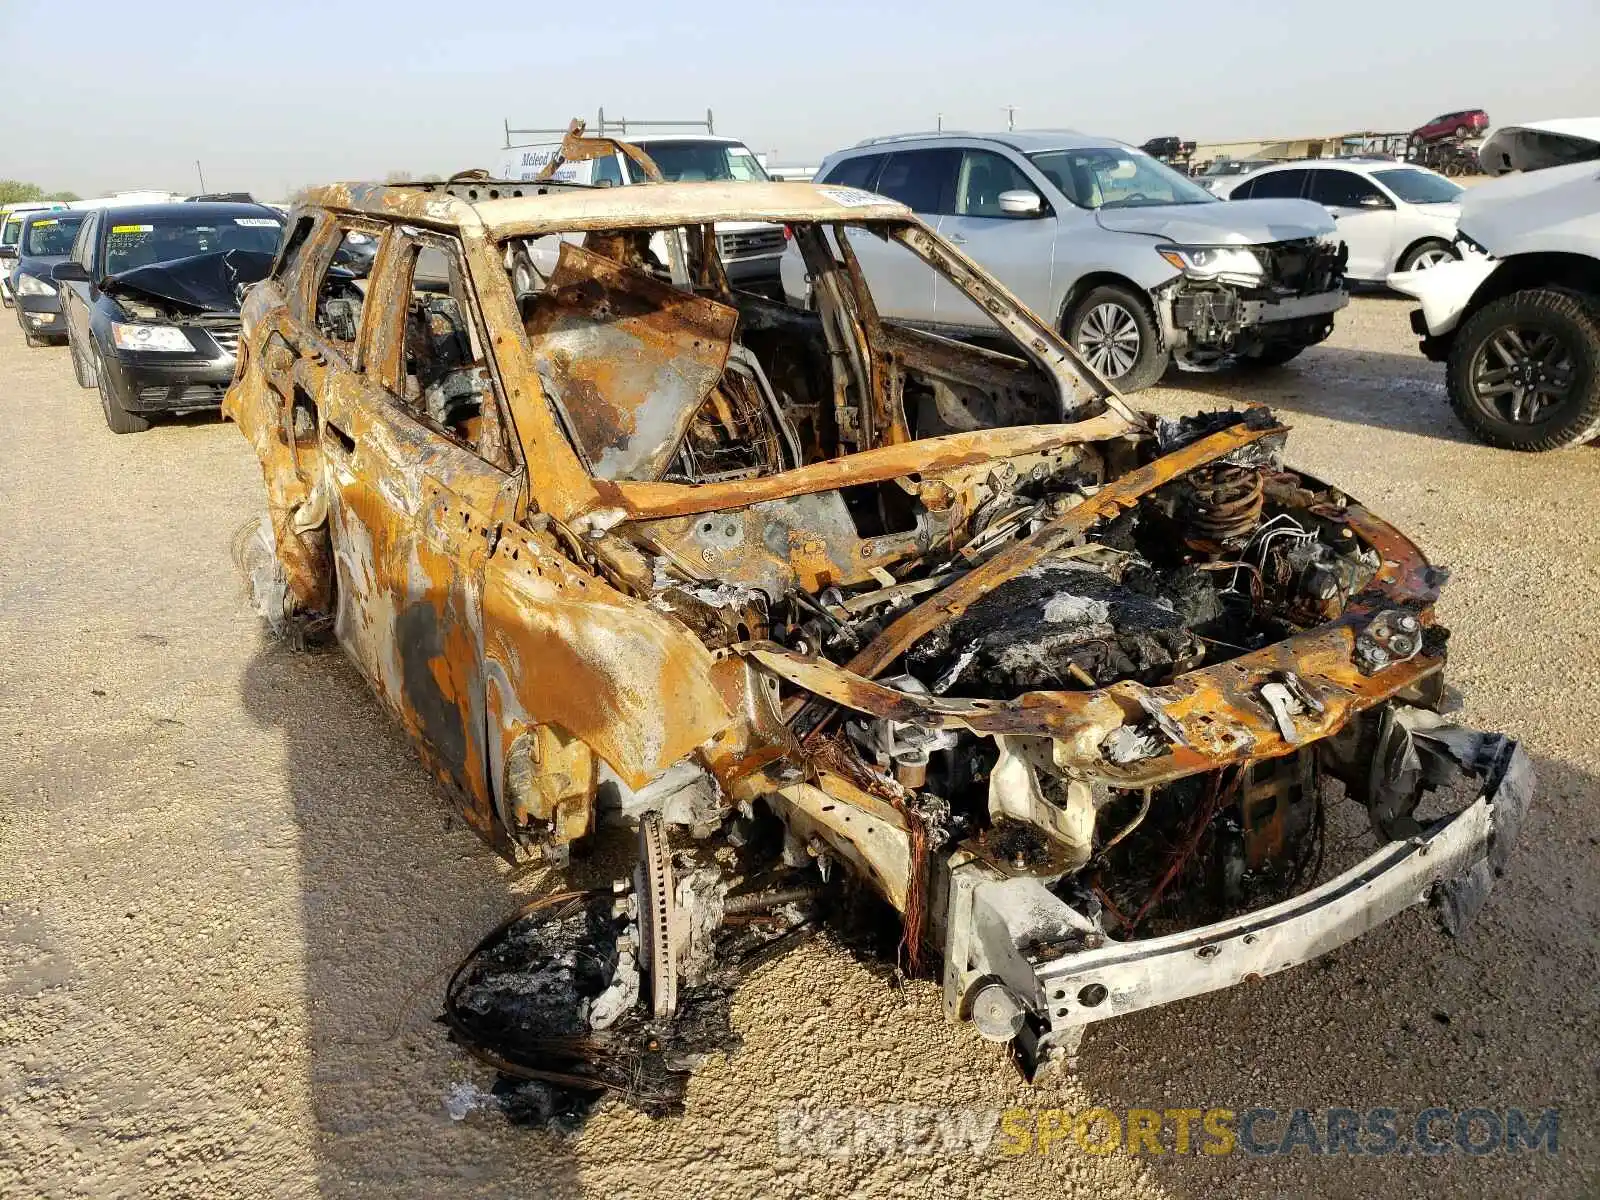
[64, 197]
[14, 191]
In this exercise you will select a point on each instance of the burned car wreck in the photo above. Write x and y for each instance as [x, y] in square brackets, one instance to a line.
[826, 606]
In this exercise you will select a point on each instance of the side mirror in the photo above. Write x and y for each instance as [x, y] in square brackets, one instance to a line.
[1020, 203]
[8, 252]
[1372, 200]
[69, 272]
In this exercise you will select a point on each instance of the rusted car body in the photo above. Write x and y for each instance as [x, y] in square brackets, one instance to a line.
[1043, 673]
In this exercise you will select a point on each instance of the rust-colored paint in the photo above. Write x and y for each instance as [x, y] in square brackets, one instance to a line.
[627, 359]
[576, 146]
[937, 456]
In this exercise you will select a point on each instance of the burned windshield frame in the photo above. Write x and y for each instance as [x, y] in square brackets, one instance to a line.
[850, 323]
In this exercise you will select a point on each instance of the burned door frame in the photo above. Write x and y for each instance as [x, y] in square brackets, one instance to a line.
[414, 513]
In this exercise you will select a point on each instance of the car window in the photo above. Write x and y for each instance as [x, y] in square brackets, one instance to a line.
[1342, 189]
[607, 171]
[151, 238]
[1419, 187]
[984, 175]
[342, 291]
[1278, 185]
[1116, 177]
[11, 231]
[923, 180]
[83, 246]
[443, 377]
[51, 237]
[860, 172]
[691, 161]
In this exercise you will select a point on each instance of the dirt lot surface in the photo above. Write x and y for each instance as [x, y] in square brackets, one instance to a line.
[228, 900]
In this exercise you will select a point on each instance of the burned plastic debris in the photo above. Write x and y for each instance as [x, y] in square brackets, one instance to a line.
[525, 1000]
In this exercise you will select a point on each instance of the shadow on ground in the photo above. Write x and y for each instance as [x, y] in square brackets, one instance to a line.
[394, 890]
[1402, 392]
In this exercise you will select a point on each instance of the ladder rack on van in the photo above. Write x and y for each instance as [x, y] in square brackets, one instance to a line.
[617, 126]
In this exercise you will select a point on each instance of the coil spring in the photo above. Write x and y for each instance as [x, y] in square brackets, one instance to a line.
[1226, 502]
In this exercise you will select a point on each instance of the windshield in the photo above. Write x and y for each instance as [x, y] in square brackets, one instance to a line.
[11, 232]
[1117, 177]
[1419, 187]
[52, 236]
[146, 241]
[687, 162]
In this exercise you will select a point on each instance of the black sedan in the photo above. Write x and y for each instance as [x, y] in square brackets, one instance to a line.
[151, 295]
[44, 240]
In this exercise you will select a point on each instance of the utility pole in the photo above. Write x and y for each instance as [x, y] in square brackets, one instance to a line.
[938, 122]
[1011, 115]
[202, 175]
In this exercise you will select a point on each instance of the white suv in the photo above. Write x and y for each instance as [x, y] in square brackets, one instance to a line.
[1132, 261]
[1393, 216]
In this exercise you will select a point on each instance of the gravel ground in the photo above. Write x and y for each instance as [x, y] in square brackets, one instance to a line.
[228, 900]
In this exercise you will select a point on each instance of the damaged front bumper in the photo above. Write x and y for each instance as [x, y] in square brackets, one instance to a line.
[1290, 303]
[1217, 316]
[1025, 965]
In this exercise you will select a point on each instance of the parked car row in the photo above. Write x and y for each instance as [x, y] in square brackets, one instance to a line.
[146, 297]
[1139, 267]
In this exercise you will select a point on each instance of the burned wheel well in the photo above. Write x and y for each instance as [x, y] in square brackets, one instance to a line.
[1572, 272]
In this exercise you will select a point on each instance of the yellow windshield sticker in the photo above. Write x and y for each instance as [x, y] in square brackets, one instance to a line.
[132, 228]
[42, 224]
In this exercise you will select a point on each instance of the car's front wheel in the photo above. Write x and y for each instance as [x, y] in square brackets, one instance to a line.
[1427, 254]
[1524, 371]
[118, 418]
[1115, 331]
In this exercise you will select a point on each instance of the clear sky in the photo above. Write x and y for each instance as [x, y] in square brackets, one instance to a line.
[270, 96]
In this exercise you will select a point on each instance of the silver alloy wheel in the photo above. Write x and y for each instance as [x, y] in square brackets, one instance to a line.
[1431, 258]
[1108, 337]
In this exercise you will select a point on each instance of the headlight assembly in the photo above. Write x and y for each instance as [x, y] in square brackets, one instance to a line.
[32, 285]
[1207, 261]
[166, 339]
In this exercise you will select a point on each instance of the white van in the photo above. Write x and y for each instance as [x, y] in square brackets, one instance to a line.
[750, 250]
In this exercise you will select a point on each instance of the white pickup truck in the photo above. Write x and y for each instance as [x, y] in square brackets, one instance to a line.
[1517, 319]
[750, 250]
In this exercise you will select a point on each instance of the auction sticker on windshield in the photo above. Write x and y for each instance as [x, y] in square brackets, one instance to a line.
[255, 222]
[133, 229]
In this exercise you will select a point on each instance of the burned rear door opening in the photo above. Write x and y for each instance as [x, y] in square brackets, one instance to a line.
[841, 617]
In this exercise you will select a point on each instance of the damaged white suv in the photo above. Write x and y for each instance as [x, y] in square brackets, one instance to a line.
[1517, 320]
[1135, 264]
